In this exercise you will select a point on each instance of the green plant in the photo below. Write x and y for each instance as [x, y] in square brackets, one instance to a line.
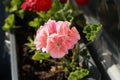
[59, 12]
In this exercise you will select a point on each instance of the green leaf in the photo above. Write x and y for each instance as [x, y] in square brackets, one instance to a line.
[35, 23]
[30, 44]
[9, 21]
[78, 74]
[14, 5]
[42, 14]
[64, 13]
[21, 13]
[13, 8]
[55, 7]
[40, 56]
[91, 31]
[6, 27]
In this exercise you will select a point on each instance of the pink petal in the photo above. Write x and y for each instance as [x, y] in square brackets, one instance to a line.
[23, 6]
[41, 38]
[62, 27]
[74, 34]
[72, 38]
[55, 46]
[51, 26]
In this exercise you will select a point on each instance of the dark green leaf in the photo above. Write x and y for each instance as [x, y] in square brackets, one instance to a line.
[91, 31]
[21, 13]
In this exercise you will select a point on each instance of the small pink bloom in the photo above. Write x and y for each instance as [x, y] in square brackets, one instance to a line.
[28, 5]
[37, 5]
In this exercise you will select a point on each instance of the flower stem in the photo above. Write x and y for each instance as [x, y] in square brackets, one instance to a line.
[75, 52]
[86, 45]
[54, 61]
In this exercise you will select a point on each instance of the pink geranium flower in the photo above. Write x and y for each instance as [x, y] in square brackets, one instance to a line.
[56, 38]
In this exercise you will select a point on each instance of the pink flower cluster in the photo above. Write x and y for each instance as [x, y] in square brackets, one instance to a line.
[36, 5]
[56, 38]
